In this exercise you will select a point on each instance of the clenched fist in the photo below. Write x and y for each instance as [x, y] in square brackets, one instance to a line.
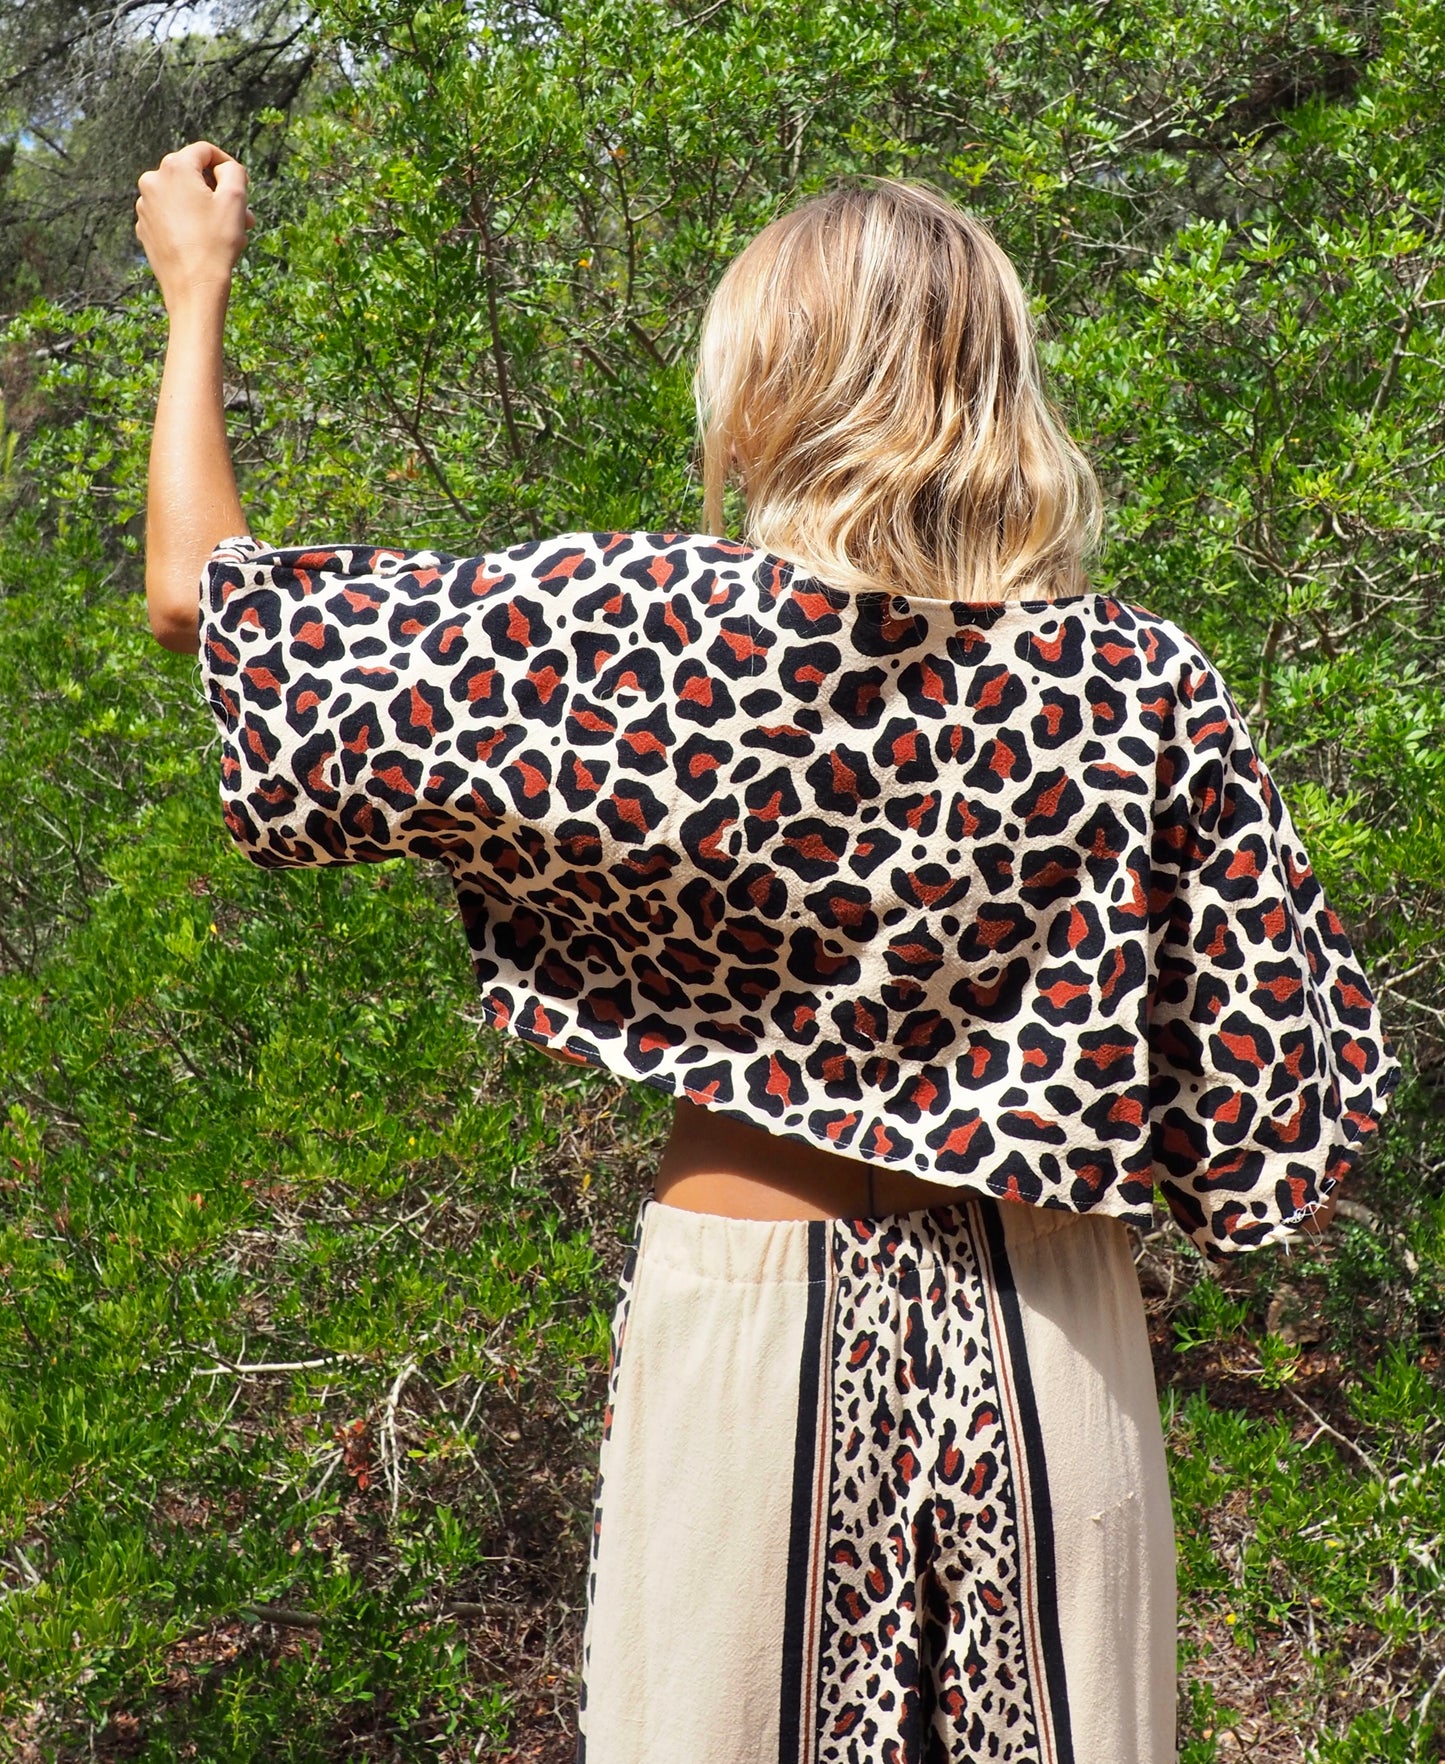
[192, 220]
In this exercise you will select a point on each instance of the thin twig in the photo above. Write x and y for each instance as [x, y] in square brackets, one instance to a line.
[283, 1616]
[224, 1369]
[1423, 1707]
[390, 1451]
[1334, 1433]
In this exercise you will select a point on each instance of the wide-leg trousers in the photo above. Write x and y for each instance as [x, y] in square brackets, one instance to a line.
[883, 1490]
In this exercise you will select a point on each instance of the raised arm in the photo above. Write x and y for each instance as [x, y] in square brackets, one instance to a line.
[192, 219]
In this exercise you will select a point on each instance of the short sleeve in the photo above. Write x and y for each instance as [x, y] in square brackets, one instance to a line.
[352, 701]
[1269, 1070]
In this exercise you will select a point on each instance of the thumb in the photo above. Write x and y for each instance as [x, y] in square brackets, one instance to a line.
[230, 176]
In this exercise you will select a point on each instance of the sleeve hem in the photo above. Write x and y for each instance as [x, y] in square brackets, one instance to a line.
[1321, 1175]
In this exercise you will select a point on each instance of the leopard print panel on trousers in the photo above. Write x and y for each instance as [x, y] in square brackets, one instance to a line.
[924, 1645]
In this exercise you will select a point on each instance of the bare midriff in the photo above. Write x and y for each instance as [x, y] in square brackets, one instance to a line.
[715, 1165]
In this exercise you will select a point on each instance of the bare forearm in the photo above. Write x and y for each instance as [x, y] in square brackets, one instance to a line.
[192, 501]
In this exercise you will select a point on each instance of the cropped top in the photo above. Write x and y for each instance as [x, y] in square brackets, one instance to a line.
[999, 894]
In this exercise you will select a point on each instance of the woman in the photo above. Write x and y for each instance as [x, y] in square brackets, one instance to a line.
[949, 899]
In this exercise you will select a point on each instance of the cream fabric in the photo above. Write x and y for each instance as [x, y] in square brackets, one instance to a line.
[686, 1619]
[1088, 1352]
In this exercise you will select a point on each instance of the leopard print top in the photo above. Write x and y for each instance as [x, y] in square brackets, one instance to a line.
[998, 894]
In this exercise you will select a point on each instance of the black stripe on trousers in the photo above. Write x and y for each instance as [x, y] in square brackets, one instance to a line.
[800, 1529]
[1046, 1575]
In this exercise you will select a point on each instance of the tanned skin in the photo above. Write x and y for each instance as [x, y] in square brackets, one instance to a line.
[192, 220]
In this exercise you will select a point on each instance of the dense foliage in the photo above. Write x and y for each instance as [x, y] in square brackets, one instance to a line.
[304, 1277]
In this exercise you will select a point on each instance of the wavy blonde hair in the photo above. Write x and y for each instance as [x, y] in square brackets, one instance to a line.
[868, 374]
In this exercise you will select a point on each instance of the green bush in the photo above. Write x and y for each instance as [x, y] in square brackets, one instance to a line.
[304, 1277]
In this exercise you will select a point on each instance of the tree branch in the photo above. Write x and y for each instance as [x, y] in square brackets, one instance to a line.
[482, 217]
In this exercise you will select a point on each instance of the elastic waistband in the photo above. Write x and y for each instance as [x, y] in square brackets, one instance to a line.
[711, 1246]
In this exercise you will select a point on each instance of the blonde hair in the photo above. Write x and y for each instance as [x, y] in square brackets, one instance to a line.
[868, 373]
